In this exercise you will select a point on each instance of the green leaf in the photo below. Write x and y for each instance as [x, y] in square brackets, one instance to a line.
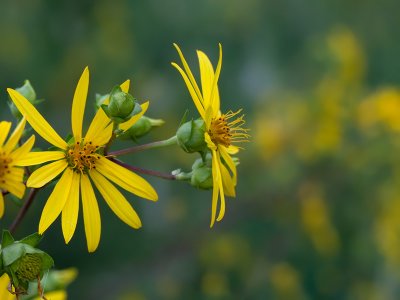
[32, 240]
[12, 253]
[184, 118]
[7, 239]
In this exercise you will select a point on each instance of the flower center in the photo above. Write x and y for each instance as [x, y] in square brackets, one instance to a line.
[224, 132]
[82, 157]
[5, 162]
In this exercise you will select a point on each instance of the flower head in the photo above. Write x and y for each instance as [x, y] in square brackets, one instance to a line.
[80, 161]
[12, 156]
[222, 130]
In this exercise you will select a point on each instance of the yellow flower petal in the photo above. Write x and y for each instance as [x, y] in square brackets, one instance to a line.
[1, 205]
[125, 86]
[215, 191]
[91, 214]
[128, 124]
[207, 77]
[232, 150]
[196, 99]
[38, 123]
[115, 200]
[78, 104]
[15, 137]
[4, 293]
[16, 174]
[103, 136]
[56, 201]
[229, 161]
[190, 76]
[54, 295]
[46, 173]
[214, 98]
[4, 130]
[22, 151]
[216, 162]
[126, 179]
[36, 158]
[227, 182]
[16, 188]
[69, 215]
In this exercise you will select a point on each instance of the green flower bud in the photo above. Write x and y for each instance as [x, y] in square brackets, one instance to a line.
[140, 128]
[191, 136]
[121, 107]
[121, 104]
[29, 93]
[202, 177]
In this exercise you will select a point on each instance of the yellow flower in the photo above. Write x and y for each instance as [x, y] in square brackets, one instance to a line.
[222, 130]
[11, 156]
[80, 161]
[4, 293]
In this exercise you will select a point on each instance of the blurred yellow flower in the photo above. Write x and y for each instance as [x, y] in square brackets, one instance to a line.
[11, 156]
[79, 161]
[316, 221]
[220, 133]
[382, 107]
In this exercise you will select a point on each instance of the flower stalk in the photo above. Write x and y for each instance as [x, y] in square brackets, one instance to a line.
[153, 145]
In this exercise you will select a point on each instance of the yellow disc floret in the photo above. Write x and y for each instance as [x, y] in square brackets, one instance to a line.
[225, 132]
[82, 157]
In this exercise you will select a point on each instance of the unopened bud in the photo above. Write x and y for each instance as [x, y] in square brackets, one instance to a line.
[121, 105]
[140, 128]
[191, 136]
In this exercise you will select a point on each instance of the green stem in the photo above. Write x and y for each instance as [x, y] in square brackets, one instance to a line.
[159, 144]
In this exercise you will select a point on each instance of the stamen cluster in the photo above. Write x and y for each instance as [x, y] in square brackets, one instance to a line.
[223, 132]
[5, 162]
[82, 156]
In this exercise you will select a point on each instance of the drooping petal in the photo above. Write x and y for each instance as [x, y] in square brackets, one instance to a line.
[56, 201]
[227, 182]
[198, 101]
[215, 191]
[232, 149]
[78, 104]
[69, 215]
[4, 130]
[4, 293]
[126, 179]
[23, 150]
[215, 165]
[128, 124]
[229, 162]
[45, 174]
[37, 158]
[38, 123]
[15, 137]
[116, 201]
[1, 205]
[91, 214]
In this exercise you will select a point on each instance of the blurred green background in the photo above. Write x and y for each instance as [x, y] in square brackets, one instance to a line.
[318, 199]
